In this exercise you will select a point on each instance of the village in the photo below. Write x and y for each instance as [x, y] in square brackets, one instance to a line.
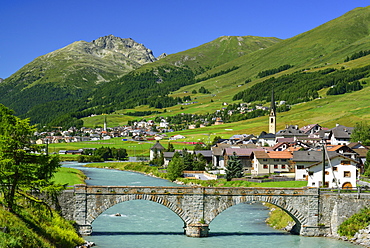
[294, 153]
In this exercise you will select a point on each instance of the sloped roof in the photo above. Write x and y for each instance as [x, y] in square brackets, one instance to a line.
[342, 132]
[311, 156]
[334, 147]
[308, 128]
[273, 154]
[157, 146]
[205, 153]
[241, 151]
[361, 152]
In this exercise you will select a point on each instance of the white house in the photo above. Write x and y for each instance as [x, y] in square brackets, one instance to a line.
[340, 135]
[341, 172]
[304, 159]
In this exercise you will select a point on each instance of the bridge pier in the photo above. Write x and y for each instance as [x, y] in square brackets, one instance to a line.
[196, 230]
[85, 230]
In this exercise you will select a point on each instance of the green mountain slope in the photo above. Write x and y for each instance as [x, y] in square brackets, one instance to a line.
[72, 71]
[217, 52]
[225, 67]
[323, 47]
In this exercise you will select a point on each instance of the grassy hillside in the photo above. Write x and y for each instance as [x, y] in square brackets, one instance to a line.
[215, 53]
[35, 227]
[225, 67]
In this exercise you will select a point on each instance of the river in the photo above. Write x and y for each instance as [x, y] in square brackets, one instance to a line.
[148, 224]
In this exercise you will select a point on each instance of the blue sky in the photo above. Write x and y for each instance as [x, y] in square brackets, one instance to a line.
[29, 29]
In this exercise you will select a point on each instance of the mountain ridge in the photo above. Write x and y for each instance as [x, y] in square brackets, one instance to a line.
[223, 66]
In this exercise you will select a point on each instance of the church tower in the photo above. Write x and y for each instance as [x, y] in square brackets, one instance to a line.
[272, 115]
[105, 124]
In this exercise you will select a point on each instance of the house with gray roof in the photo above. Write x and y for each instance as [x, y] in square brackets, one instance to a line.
[303, 159]
[340, 135]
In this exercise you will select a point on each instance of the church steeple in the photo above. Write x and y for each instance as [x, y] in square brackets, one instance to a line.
[272, 115]
[105, 123]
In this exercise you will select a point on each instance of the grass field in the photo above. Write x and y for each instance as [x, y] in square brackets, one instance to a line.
[69, 176]
[134, 148]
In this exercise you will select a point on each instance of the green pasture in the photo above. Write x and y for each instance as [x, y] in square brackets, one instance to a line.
[134, 148]
[69, 176]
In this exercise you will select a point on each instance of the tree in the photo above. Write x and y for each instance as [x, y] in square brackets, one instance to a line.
[170, 147]
[361, 133]
[21, 169]
[234, 168]
[175, 167]
[367, 164]
[158, 158]
[200, 163]
[188, 160]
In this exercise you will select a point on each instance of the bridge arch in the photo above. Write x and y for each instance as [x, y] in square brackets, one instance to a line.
[108, 202]
[277, 201]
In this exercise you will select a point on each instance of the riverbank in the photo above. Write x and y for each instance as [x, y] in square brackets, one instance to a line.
[157, 172]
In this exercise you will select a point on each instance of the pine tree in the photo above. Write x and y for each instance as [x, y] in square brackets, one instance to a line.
[234, 168]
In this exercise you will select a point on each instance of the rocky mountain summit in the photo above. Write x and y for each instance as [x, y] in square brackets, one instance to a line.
[73, 70]
[127, 47]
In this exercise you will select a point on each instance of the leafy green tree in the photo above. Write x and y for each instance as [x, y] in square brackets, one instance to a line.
[200, 163]
[175, 167]
[21, 169]
[367, 164]
[361, 133]
[234, 168]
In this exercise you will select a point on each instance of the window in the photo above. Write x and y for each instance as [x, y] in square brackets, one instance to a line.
[265, 159]
[283, 160]
[310, 173]
[275, 166]
[300, 167]
[265, 166]
[276, 159]
[283, 166]
[347, 174]
[345, 162]
[335, 168]
[326, 172]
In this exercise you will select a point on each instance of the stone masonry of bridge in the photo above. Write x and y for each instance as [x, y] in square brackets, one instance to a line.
[315, 214]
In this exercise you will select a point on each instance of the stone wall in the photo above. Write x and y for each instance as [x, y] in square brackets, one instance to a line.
[336, 208]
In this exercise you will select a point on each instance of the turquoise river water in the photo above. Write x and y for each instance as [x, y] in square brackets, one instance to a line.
[148, 224]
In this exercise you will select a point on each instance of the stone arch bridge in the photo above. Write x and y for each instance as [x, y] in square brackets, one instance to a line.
[315, 213]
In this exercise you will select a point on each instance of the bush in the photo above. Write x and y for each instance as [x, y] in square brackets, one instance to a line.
[355, 223]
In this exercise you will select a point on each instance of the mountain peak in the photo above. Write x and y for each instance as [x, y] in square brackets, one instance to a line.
[125, 46]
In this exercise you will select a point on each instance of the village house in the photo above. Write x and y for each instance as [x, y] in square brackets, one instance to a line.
[266, 139]
[340, 172]
[157, 148]
[304, 159]
[311, 129]
[268, 162]
[243, 154]
[291, 131]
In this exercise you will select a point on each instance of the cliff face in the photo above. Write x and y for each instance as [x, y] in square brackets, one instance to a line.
[127, 47]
